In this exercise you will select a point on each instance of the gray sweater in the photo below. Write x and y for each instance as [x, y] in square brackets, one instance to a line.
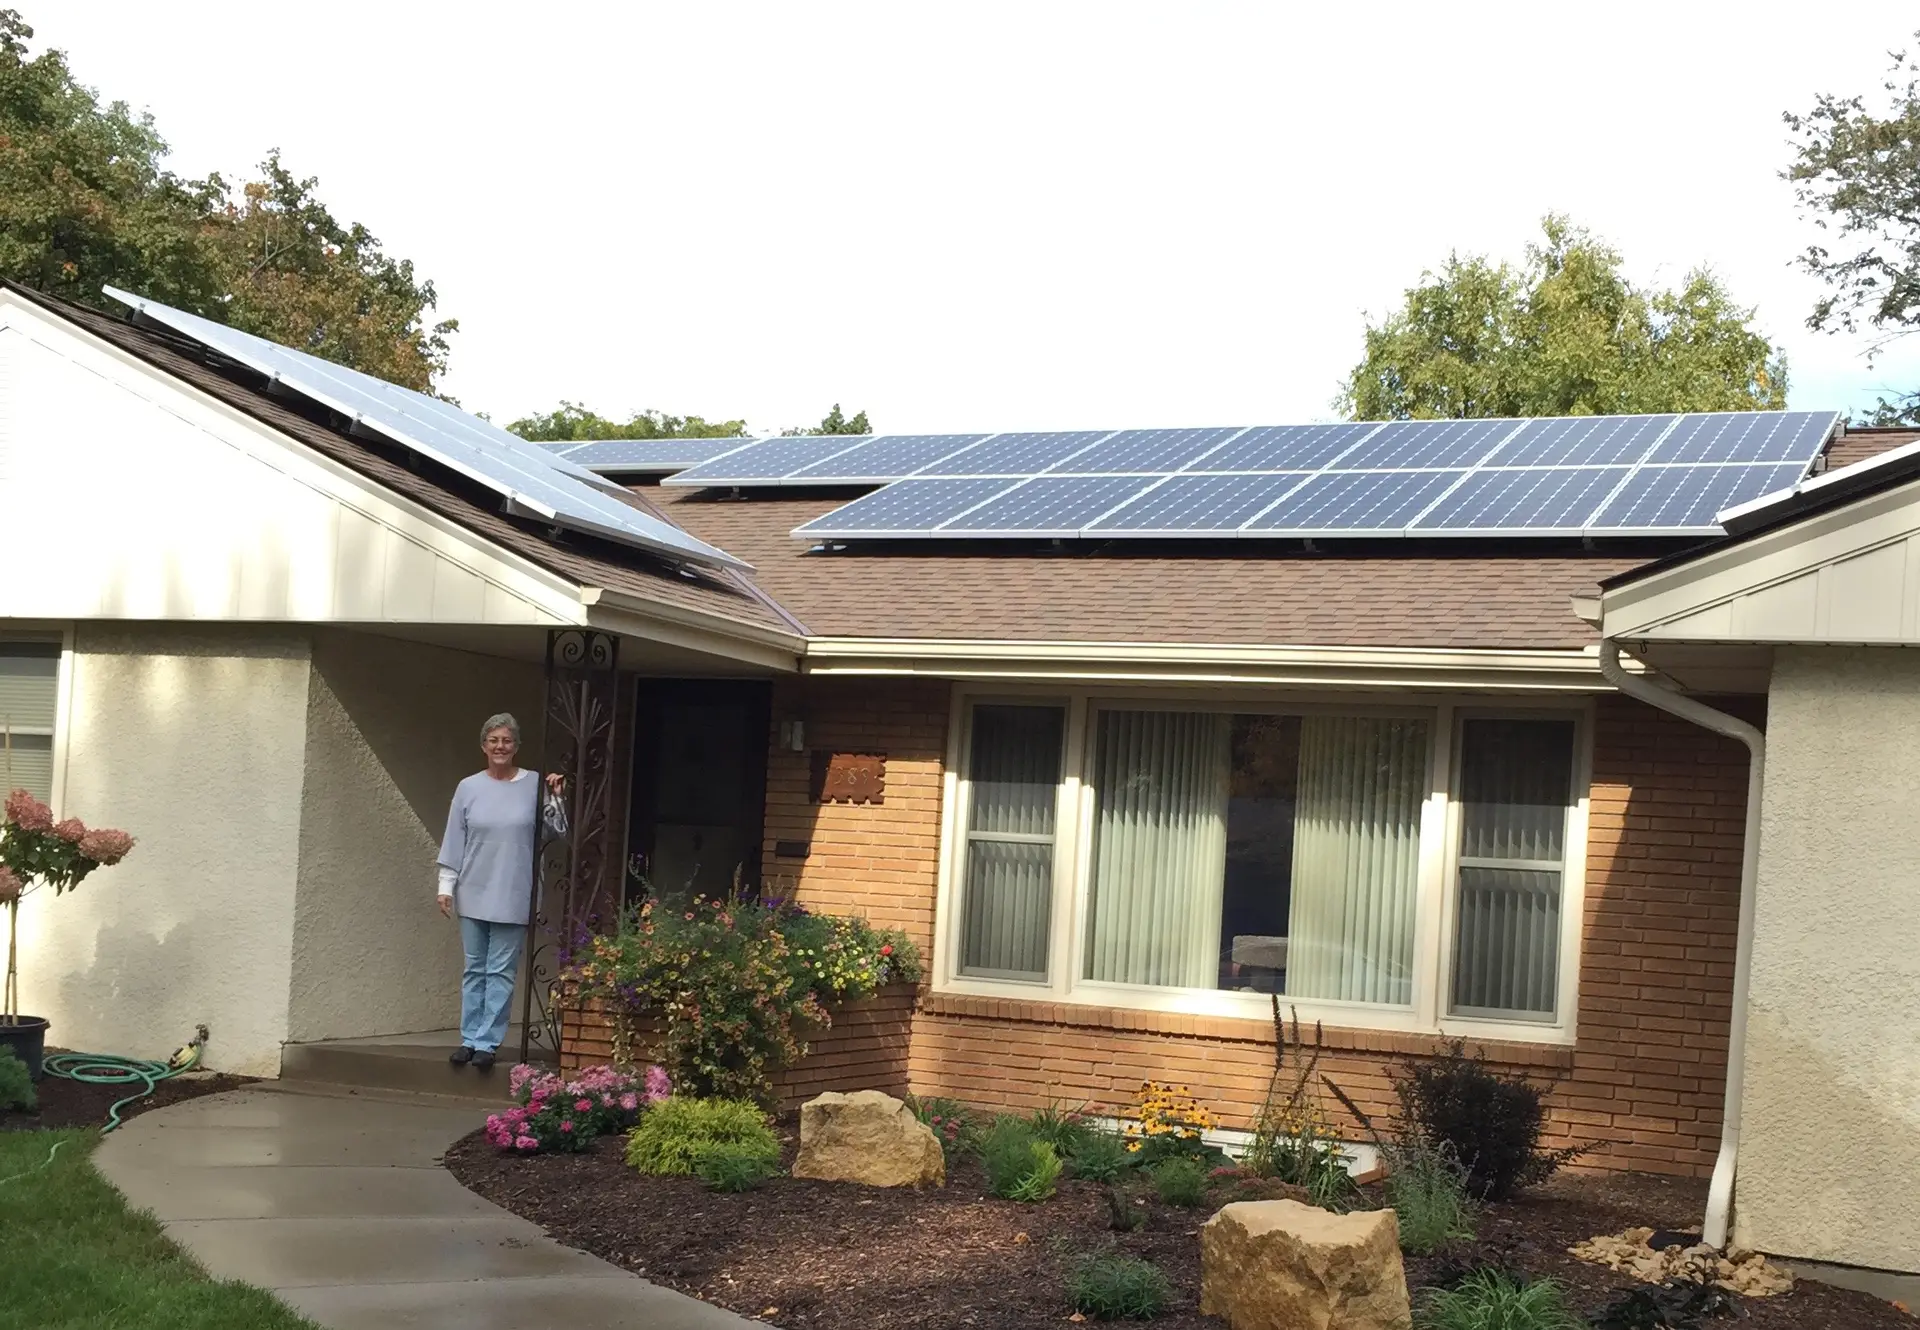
[489, 846]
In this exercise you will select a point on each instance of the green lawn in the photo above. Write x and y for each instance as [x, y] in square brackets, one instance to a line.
[74, 1257]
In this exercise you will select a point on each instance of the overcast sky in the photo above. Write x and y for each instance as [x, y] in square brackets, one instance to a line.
[997, 216]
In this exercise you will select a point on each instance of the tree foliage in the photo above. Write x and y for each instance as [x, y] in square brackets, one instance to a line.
[1562, 334]
[86, 201]
[570, 420]
[836, 423]
[1857, 175]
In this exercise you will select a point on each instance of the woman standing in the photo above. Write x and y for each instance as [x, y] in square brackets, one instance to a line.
[486, 876]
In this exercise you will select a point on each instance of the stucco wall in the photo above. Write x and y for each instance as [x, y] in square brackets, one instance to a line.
[191, 739]
[391, 727]
[1830, 1161]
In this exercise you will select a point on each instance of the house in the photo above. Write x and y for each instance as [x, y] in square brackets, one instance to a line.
[1121, 792]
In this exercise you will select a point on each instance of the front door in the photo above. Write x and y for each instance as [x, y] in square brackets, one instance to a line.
[699, 786]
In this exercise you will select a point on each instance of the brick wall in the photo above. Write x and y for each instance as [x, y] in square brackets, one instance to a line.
[865, 1048]
[1663, 863]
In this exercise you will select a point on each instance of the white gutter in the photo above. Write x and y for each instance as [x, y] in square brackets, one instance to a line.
[1720, 1191]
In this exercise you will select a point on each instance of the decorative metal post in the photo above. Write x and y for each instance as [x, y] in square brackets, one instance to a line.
[576, 889]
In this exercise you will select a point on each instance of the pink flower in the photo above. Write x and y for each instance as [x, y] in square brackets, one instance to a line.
[527, 1143]
[583, 1105]
[104, 845]
[658, 1084]
[567, 1125]
[27, 812]
[9, 886]
[71, 830]
[630, 1101]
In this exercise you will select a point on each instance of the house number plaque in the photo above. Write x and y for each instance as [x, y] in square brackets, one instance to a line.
[849, 778]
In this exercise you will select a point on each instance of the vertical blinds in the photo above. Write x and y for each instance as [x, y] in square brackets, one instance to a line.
[1516, 780]
[1159, 848]
[29, 688]
[1356, 858]
[1014, 775]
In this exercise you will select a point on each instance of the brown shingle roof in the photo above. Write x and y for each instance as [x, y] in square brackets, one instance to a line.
[580, 559]
[1862, 442]
[1379, 599]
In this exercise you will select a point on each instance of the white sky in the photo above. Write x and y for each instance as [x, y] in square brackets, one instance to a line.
[996, 215]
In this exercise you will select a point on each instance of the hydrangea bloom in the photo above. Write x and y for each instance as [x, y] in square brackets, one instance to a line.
[71, 830]
[27, 812]
[105, 845]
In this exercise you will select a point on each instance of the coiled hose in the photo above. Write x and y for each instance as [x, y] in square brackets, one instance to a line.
[104, 1069]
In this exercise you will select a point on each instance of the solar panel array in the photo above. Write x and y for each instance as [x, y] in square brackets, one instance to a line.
[641, 457]
[1576, 476]
[532, 481]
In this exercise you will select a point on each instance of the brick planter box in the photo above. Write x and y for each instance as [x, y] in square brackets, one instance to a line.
[866, 1048]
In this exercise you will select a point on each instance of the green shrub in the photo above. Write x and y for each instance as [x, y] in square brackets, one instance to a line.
[1112, 1287]
[1487, 1120]
[16, 1087]
[1019, 1165]
[1065, 1129]
[1427, 1193]
[735, 1166]
[675, 1131]
[1495, 1300]
[1181, 1182]
[1101, 1156]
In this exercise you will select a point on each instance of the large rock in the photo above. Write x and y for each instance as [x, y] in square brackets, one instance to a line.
[1281, 1265]
[869, 1137]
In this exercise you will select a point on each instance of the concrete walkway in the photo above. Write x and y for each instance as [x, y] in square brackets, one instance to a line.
[338, 1203]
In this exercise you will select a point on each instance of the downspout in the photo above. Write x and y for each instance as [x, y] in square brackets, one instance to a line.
[1720, 1191]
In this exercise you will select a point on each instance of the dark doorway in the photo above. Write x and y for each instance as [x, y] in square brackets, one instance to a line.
[699, 786]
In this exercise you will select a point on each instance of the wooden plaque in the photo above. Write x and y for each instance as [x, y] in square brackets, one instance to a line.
[849, 778]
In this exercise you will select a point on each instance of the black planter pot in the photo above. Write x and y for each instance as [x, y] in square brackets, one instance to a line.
[28, 1040]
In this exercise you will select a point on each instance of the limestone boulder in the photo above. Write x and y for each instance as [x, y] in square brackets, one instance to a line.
[1281, 1265]
[867, 1137]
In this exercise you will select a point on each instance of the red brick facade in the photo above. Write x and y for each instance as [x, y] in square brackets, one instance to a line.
[1646, 1074]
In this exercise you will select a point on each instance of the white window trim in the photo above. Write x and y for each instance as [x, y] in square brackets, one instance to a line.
[1438, 878]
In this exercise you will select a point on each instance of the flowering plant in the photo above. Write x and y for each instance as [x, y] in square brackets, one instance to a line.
[1170, 1121]
[36, 851]
[845, 958]
[720, 976]
[552, 1113]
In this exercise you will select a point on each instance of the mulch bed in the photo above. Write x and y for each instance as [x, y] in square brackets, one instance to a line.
[830, 1256]
[65, 1103]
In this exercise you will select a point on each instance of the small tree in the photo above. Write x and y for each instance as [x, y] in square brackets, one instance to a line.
[35, 852]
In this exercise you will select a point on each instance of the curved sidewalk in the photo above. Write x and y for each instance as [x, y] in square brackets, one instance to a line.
[338, 1203]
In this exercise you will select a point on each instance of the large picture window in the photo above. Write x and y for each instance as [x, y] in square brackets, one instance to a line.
[1200, 858]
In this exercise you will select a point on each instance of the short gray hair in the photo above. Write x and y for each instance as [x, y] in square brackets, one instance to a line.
[503, 721]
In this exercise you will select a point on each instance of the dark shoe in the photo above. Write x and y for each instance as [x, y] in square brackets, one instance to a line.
[483, 1059]
[462, 1055]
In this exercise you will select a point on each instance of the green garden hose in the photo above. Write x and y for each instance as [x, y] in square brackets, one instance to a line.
[104, 1069]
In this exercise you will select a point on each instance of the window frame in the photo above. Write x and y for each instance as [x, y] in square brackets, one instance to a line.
[1438, 875]
[43, 633]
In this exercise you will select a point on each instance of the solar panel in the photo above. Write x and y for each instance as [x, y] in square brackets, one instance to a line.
[1017, 454]
[1149, 452]
[1746, 436]
[769, 461]
[533, 481]
[1354, 503]
[1286, 447]
[905, 508]
[1684, 500]
[1585, 441]
[1535, 501]
[1408, 444]
[623, 457]
[1055, 506]
[884, 458]
[1198, 505]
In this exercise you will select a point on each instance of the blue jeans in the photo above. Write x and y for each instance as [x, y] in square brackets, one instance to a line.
[486, 985]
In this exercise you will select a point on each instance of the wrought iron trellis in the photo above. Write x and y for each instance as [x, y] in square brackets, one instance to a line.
[576, 888]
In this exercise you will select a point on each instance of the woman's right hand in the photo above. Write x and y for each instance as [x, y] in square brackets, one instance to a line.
[446, 907]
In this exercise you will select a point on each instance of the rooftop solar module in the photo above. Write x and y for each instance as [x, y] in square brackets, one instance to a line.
[531, 481]
[641, 457]
[1577, 476]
